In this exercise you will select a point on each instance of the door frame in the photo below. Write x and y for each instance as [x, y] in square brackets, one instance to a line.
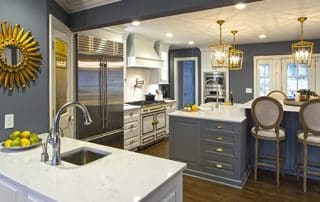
[176, 77]
[57, 25]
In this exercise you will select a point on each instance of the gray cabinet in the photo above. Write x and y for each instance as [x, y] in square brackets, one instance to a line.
[213, 150]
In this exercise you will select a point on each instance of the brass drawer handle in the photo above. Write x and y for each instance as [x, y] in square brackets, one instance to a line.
[131, 126]
[131, 114]
[220, 138]
[219, 165]
[219, 127]
[219, 149]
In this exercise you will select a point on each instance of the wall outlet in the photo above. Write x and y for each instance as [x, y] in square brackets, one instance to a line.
[249, 90]
[8, 121]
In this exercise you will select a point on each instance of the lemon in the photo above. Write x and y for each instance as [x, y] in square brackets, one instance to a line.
[8, 143]
[25, 134]
[16, 142]
[25, 142]
[34, 139]
[194, 108]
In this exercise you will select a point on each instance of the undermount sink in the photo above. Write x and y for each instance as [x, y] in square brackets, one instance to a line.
[83, 155]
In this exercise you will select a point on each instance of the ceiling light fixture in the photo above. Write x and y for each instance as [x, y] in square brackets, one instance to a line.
[190, 42]
[262, 36]
[169, 35]
[302, 50]
[136, 23]
[219, 53]
[235, 56]
[240, 6]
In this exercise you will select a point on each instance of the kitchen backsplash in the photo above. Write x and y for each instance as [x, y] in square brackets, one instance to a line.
[150, 78]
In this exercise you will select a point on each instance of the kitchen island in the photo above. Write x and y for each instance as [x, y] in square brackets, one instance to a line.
[212, 143]
[120, 176]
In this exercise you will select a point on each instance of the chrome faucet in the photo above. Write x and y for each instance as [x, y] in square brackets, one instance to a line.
[54, 137]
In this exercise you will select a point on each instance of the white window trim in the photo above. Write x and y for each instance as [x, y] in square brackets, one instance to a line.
[276, 70]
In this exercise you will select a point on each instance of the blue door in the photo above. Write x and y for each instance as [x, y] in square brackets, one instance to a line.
[186, 77]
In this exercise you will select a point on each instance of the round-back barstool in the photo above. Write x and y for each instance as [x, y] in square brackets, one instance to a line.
[267, 114]
[278, 95]
[309, 117]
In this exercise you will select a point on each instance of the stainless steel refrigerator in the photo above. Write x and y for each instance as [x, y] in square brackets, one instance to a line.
[100, 88]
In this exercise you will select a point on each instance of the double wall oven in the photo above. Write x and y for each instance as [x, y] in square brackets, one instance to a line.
[214, 85]
[153, 121]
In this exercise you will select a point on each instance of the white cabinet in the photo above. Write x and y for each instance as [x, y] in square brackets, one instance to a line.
[132, 129]
[10, 192]
[13, 192]
[170, 107]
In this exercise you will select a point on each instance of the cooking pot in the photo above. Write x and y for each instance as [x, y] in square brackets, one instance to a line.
[149, 97]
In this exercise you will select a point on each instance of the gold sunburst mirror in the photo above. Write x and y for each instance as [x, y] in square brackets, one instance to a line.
[20, 58]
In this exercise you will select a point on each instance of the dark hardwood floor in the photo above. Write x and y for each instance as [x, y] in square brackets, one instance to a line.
[264, 190]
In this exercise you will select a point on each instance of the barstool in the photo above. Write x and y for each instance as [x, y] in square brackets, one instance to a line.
[309, 117]
[278, 95]
[267, 114]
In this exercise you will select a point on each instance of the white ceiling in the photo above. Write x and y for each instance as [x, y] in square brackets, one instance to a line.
[275, 18]
[72, 6]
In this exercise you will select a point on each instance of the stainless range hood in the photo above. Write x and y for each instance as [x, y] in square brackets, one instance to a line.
[143, 52]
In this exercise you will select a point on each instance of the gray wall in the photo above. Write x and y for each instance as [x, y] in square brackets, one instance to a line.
[179, 53]
[31, 105]
[127, 10]
[240, 80]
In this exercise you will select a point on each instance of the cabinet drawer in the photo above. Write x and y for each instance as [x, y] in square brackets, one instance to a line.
[131, 125]
[219, 168]
[131, 133]
[219, 137]
[220, 149]
[218, 125]
[131, 113]
[131, 141]
[161, 134]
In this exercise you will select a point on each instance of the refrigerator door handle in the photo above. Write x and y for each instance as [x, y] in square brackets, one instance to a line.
[102, 92]
[106, 94]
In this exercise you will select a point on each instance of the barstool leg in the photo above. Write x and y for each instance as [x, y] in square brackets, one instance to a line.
[298, 160]
[283, 156]
[305, 167]
[256, 158]
[278, 163]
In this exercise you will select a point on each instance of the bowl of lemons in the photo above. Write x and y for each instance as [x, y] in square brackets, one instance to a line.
[21, 140]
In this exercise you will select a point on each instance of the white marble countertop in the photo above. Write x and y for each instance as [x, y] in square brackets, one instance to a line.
[286, 108]
[121, 176]
[169, 100]
[223, 113]
[129, 107]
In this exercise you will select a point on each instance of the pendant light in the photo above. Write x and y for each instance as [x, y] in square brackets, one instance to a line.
[235, 56]
[302, 50]
[219, 53]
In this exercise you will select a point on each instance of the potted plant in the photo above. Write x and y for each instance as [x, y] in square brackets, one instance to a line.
[306, 94]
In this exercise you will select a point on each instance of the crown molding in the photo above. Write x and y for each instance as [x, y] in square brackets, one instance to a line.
[72, 6]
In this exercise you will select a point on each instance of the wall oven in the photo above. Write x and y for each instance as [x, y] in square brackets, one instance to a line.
[214, 84]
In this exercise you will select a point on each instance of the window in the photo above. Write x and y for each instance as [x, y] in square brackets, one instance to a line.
[264, 79]
[297, 78]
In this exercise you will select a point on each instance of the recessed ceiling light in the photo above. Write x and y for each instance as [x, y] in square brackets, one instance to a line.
[136, 23]
[169, 35]
[190, 42]
[262, 36]
[240, 6]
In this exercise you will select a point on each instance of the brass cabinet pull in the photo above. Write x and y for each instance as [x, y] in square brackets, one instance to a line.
[219, 126]
[219, 149]
[220, 138]
[131, 126]
[219, 165]
[131, 114]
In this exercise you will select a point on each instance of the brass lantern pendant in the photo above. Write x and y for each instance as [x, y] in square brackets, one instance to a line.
[219, 53]
[235, 57]
[302, 50]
